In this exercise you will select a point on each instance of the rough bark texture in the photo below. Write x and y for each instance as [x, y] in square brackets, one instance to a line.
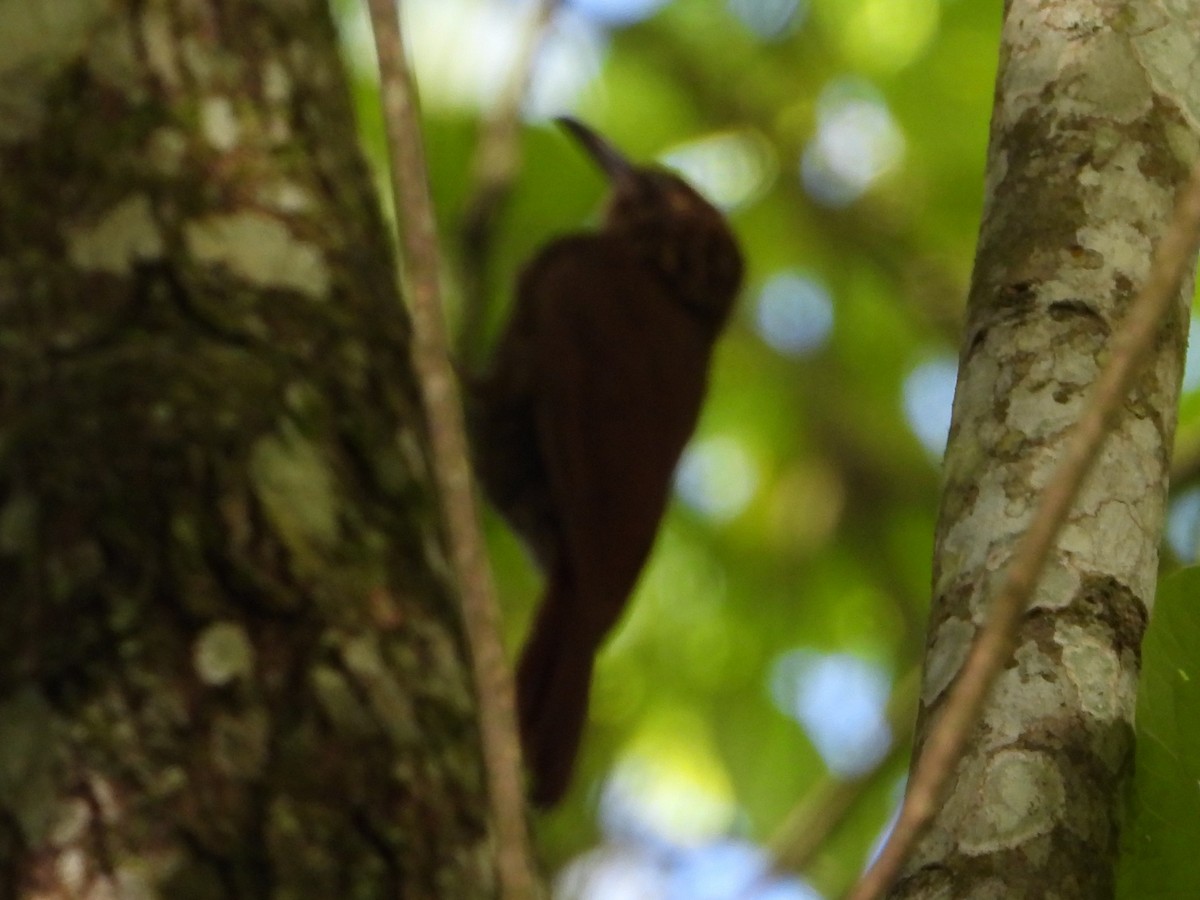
[1095, 127]
[230, 664]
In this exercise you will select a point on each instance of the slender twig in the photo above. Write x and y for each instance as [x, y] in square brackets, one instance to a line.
[496, 163]
[1134, 341]
[418, 239]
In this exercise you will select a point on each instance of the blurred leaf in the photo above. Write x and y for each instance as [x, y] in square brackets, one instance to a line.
[1159, 859]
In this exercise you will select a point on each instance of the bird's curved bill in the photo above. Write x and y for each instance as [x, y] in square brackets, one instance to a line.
[606, 156]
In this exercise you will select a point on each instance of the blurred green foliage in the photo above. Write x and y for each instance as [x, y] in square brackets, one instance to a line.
[1159, 860]
[824, 496]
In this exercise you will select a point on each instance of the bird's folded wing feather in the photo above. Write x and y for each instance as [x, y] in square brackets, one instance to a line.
[622, 370]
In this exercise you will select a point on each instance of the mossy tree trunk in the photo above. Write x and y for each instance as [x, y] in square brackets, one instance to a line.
[230, 661]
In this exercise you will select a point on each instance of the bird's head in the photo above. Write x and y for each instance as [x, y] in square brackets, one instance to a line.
[671, 226]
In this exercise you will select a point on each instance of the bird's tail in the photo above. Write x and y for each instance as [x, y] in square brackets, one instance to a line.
[553, 681]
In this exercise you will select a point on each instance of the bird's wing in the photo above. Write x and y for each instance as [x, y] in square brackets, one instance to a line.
[622, 371]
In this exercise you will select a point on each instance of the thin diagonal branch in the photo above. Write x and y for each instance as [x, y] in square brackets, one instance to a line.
[418, 239]
[1175, 256]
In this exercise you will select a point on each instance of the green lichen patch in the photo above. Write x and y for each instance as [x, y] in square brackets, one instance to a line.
[261, 250]
[293, 481]
[222, 653]
[124, 235]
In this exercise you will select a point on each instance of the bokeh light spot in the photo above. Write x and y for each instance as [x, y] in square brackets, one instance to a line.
[617, 12]
[731, 869]
[929, 400]
[1183, 524]
[794, 313]
[464, 52]
[719, 870]
[840, 700]
[1191, 369]
[669, 786]
[568, 61]
[717, 477]
[857, 141]
[612, 873]
[731, 168]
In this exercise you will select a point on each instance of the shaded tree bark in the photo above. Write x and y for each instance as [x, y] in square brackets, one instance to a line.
[1095, 128]
[230, 656]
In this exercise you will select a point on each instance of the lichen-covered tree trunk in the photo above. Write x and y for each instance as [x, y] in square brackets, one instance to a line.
[1094, 130]
[230, 664]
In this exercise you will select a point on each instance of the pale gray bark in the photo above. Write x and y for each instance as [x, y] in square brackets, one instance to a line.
[1095, 127]
[230, 657]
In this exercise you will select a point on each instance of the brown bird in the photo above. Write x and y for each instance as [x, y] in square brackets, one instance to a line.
[594, 387]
